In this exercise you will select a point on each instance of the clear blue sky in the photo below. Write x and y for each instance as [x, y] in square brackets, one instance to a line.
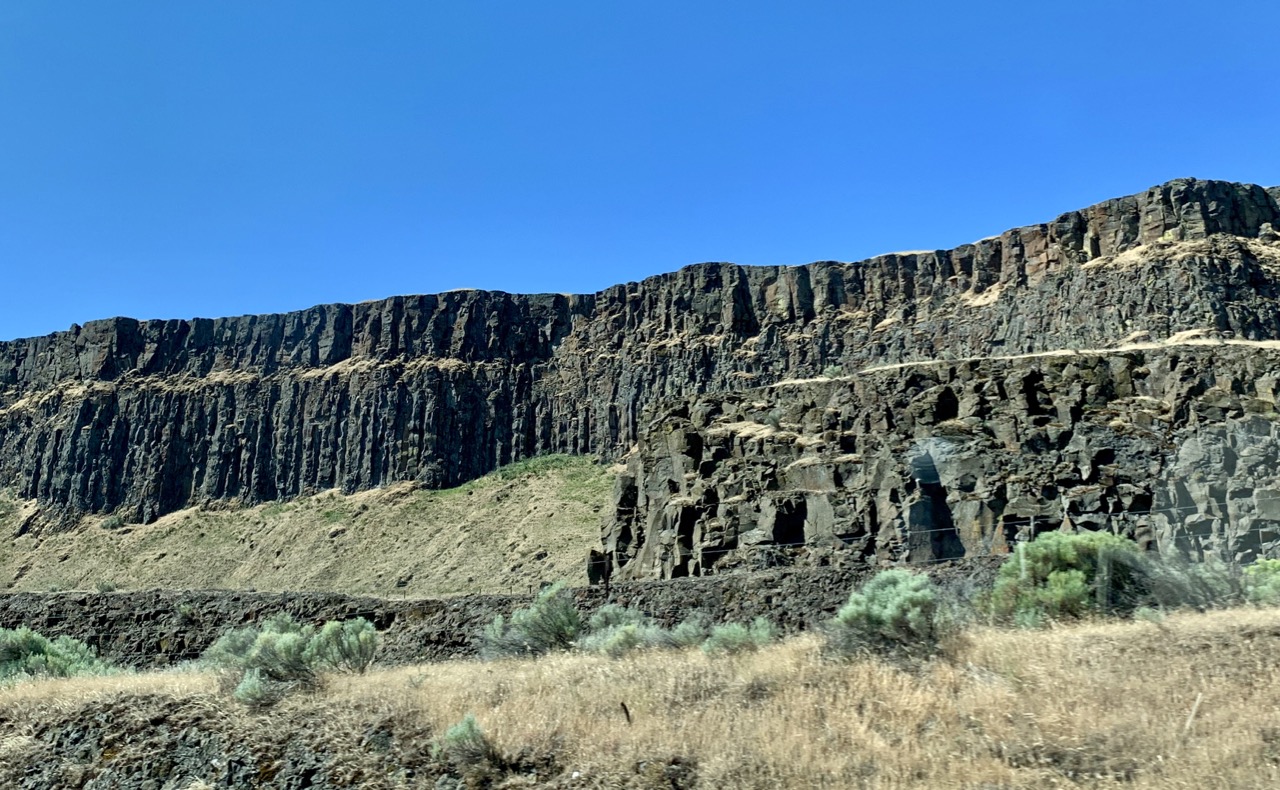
[176, 159]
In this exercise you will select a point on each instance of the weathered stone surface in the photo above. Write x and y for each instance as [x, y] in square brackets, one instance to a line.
[143, 418]
[153, 628]
[1174, 444]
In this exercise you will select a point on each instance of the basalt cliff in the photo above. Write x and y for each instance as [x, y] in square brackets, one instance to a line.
[915, 405]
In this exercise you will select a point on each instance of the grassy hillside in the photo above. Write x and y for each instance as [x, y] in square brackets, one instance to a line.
[1189, 702]
[530, 522]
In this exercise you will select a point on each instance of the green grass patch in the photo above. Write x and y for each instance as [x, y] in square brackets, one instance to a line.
[276, 509]
[584, 480]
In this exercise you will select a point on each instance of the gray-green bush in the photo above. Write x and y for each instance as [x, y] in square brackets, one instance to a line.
[693, 631]
[1262, 582]
[551, 622]
[611, 615]
[256, 691]
[733, 638]
[615, 631]
[897, 611]
[1062, 575]
[26, 654]
[346, 646]
[465, 745]
[268, 661]
[618, 640]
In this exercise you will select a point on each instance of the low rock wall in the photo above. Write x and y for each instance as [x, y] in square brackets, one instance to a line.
[156, 628]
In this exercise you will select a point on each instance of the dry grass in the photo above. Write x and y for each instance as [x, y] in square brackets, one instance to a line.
[1102, 704]
[1097, 705]
[505, 532]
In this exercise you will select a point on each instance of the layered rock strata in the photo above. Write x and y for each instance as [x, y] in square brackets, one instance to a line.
[146, 417]
[1176, 445]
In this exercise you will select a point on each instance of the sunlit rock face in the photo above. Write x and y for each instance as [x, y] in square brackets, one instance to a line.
[142, 418]
[1171, 444]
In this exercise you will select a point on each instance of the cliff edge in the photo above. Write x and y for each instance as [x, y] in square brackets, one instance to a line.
[143, 418]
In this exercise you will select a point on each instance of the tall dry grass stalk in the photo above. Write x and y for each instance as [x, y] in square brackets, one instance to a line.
[1191, 702]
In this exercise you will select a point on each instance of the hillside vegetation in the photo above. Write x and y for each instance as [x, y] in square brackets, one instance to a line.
[506, 532]
[1191, 701]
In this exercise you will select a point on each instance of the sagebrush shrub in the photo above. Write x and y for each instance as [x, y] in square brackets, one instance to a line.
[276, 650]
[1064, 575]
[1262, 582]
[734, 638]
[27, 653]
[255, 691]
[612, 615]
[348, 646]
[616, 630]
[267, 661]
[551, 622]
[464, 745]
[616, 640]
[897, 609]
[692, 632]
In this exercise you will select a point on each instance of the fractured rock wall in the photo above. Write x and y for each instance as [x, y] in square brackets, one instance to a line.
[145, 417]
[1177, 445]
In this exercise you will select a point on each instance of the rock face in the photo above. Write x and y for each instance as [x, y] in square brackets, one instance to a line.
[1172, 444]
[143, 418]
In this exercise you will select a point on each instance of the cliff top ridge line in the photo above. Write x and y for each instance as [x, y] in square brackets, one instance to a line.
[478, 326]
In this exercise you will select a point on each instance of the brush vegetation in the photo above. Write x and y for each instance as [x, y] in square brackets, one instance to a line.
[26, 654]
[264, 663]
[1189, 702]
[895, 612]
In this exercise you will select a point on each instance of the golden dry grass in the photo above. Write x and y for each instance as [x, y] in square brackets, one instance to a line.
[528, 523]
[1193, 702]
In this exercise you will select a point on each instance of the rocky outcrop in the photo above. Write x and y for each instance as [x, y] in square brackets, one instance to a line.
[156, 628]
[1177, 445]
[143, 418]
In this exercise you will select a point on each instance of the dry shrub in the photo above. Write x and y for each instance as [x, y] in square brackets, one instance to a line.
[550, 622]
[894, 613]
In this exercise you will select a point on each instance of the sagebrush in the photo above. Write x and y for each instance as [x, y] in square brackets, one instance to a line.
[281, 655]
[1063, 575]
[25, 653]
[464, 745]
[1262, 582]
[615, 631]
[732, 638]
[551, 622]
[896, 610]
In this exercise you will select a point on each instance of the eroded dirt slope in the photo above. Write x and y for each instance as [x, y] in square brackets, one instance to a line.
[525, 524]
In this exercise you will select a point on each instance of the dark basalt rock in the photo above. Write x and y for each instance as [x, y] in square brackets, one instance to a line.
[146, 417]
[156, 628]
[1175, 445]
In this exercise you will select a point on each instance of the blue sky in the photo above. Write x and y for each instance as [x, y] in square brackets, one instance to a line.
[171, 160]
